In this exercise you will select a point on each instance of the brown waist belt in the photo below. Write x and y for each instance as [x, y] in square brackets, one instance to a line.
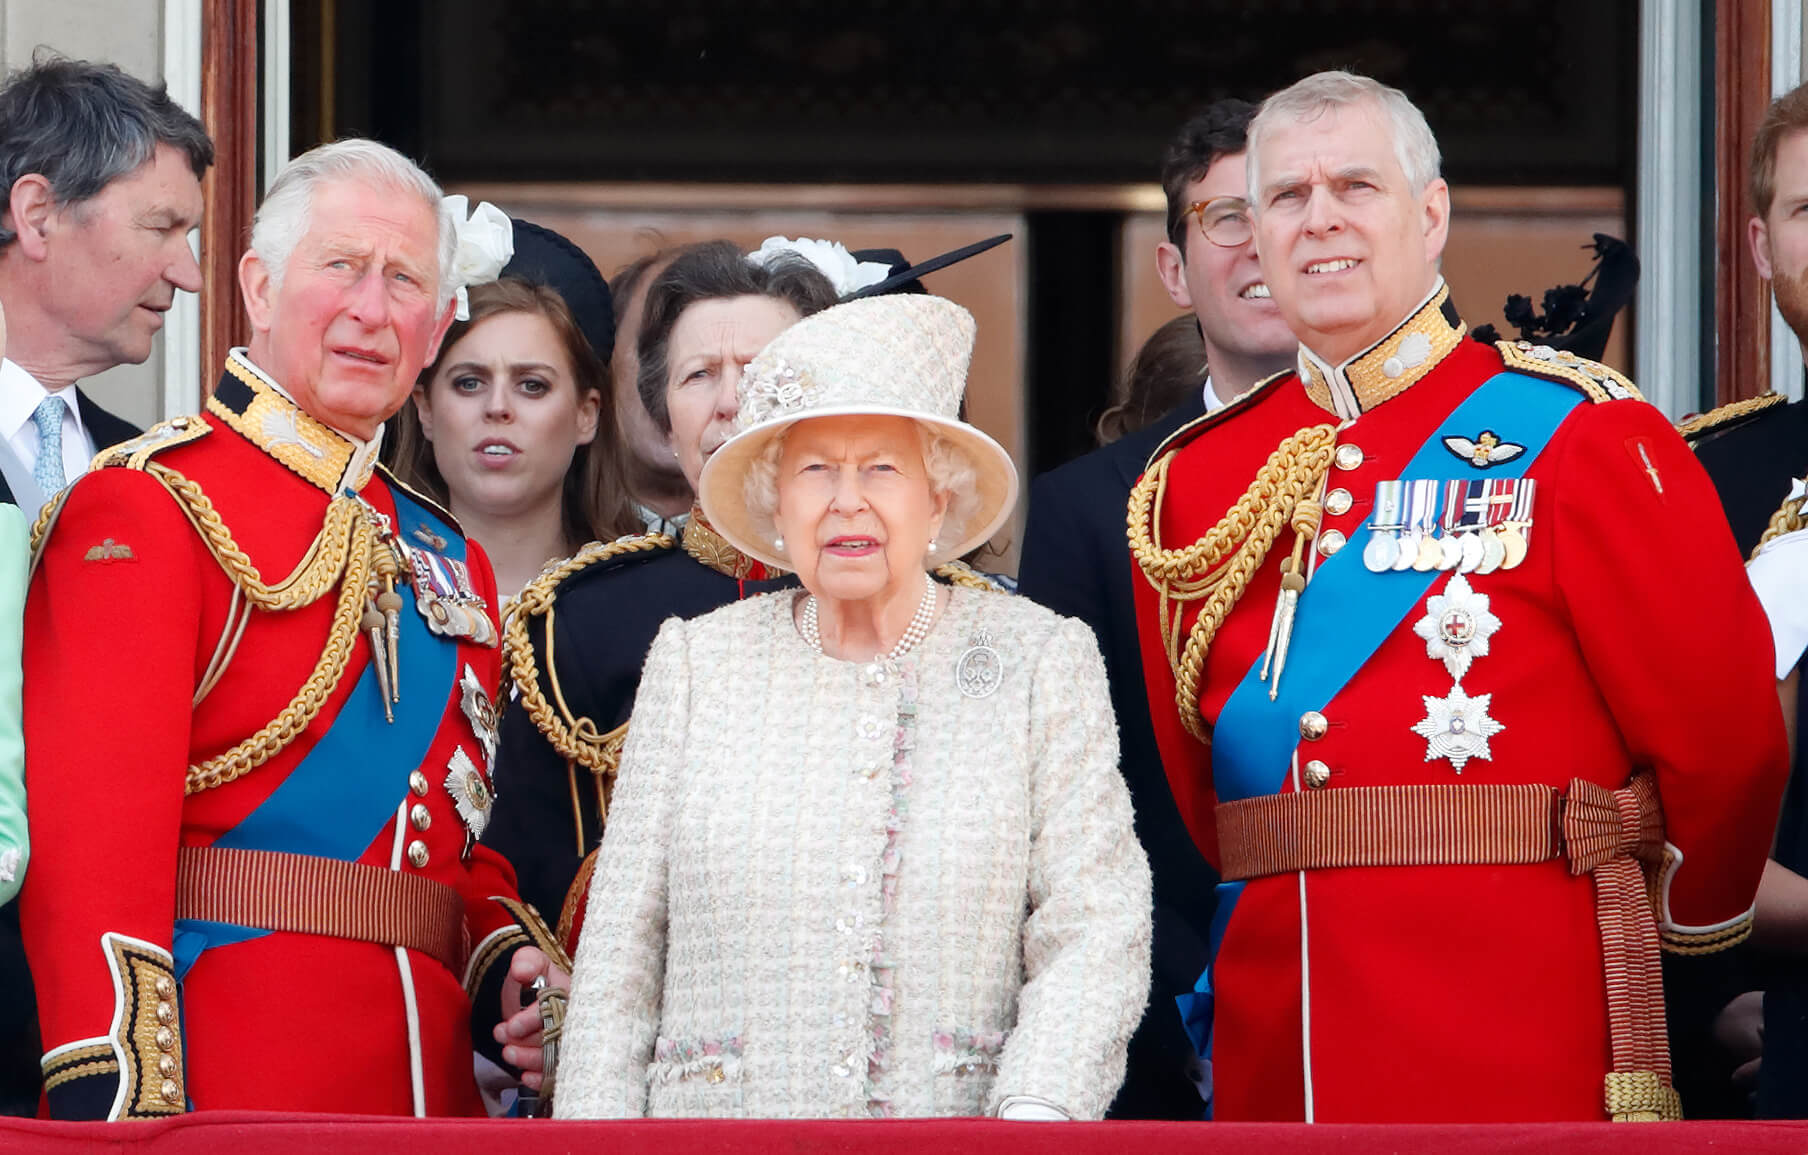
[1604, 833]
[302, 894]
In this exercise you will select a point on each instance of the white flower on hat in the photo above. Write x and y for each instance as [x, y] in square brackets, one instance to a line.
[773, 388]
[486, 241]
[844, 271]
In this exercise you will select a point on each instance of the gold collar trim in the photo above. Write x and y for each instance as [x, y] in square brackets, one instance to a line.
[702, 542]
[252, 407]
[1389, 367]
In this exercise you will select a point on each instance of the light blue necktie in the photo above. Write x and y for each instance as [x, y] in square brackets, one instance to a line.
[48, 471]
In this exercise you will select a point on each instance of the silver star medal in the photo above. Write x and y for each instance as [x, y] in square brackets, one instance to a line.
[1457, 727]
[980, 669]
[1456, 626]
[470, 793]
[476, 704]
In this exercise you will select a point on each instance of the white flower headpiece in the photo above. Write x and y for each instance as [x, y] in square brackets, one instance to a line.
[844, 271]
[486, 241]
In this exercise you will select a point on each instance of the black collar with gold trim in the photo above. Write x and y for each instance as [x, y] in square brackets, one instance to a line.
[1391, 365]
[703, 543]
[248, 404]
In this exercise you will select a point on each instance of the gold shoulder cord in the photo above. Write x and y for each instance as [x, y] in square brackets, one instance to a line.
[346, 546]
[959, 573]
[574, 739]
[1218, 567]
[1787, 519]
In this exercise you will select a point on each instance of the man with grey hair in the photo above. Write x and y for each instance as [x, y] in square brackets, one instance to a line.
[1410, 619]
[294, 764]
[103, 184]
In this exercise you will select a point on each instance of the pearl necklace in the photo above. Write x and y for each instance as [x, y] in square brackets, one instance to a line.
[914, 633]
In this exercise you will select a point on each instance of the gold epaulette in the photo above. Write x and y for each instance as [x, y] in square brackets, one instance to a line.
[574, 738]
[959, 573]
[129, 454]
[164, 435]
[1599, 382]
[1732, 413]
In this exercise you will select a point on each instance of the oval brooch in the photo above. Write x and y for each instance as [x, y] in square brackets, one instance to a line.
[980, 669]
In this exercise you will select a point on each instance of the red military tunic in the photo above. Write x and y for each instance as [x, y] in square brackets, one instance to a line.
[1627, 639]
[128, 620]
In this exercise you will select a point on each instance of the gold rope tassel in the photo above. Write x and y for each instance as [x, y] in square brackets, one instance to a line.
[1217, 568]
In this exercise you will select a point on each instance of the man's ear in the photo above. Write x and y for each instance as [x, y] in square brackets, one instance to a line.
[1758, 234]
[257, 290]
[1436, 209]
[29, 209]
[1171, 265]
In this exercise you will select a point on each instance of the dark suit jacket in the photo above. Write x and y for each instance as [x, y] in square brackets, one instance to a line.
[19, 1045]
[1076, 562]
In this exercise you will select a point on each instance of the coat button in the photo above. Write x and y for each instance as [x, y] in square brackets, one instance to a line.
[417, 853]
[166, 987]
[167, 1066]
[1338, 502]
[1349, 456]
[1317, 774]
[1329, 542]
[417, 782]
[420, 816]
[172, 1094]
[166, 1039]
[166, 1014]
[1313, 725]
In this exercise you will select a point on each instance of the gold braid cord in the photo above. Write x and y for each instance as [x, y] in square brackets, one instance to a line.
[1732, 411]
[1217, 568]
[1787, 519]
[575, 739]
[343, 554]
[959, 573]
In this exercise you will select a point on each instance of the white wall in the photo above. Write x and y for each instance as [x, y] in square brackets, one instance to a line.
[128, 33]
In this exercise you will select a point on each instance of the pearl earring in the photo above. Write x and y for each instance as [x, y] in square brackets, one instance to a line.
[778, 543]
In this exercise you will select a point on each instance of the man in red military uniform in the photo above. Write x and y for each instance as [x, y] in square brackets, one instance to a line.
[1417, 621]
[257, 884]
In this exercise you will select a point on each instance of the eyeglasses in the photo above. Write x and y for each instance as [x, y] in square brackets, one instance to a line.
[1224, 221]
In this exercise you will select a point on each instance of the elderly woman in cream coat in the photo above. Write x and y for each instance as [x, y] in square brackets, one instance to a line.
[869, 854]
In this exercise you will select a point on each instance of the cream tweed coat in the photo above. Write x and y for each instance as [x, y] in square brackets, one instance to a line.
[832, 888]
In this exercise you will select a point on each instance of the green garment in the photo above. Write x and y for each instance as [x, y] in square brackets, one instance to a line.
[15, 555]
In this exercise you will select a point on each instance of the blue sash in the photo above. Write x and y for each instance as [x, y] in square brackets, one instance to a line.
[340, 796]
[1344, 616]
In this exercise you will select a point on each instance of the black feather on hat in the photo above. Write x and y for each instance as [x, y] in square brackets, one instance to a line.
[906, 277]
[543, 257]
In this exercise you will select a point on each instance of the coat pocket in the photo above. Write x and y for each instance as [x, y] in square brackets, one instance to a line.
[706, 1060]
[965, 1063]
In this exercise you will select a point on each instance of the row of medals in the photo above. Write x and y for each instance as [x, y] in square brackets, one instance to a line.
[1485, 526]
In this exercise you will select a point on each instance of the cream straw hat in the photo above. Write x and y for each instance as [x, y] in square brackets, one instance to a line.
[890, 356]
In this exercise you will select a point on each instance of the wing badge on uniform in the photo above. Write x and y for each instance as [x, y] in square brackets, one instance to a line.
[110, 551]
[1485, 450]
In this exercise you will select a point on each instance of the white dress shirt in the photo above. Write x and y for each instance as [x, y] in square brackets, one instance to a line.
[20, 396]
[1213, 402]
